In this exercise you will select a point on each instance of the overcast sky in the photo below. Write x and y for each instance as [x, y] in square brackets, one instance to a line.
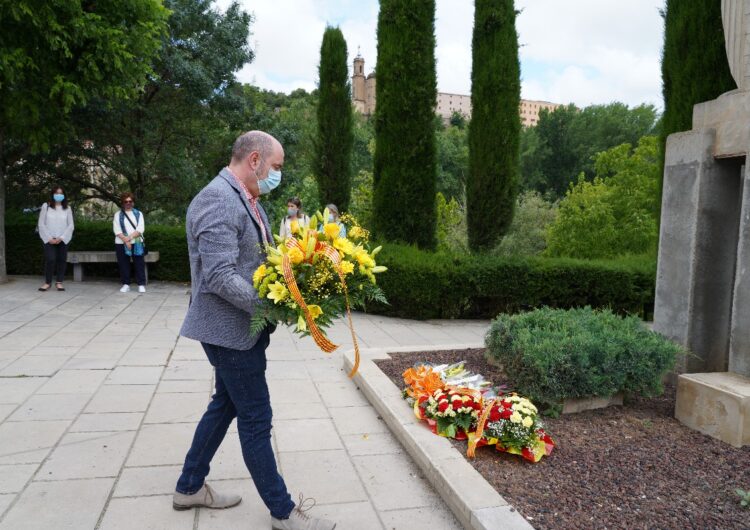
[579, 51]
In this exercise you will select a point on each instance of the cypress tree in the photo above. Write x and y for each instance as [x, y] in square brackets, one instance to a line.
[495, 127]
[333, 146]
[694, 63]
[405, 165]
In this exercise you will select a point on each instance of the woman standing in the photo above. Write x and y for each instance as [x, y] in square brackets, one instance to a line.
[294, 218]
[129, 225]
[56, 230]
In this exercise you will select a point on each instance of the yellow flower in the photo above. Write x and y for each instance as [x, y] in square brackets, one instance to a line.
[315, 311]
[332, 230]
[294, 225]
[516, 417]
[364, 258]
[277, 292]
[347, 267]
[344, 245]
[258, 275]
[301, 324]
[296, 255]
[527, 422]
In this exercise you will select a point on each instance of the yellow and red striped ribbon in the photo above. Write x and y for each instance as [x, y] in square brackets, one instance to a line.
[320, 339]
[476, 436]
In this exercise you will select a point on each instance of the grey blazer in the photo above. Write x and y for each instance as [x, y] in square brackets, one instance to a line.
[224, 247]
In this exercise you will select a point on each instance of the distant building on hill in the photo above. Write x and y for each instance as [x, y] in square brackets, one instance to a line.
[363, 97]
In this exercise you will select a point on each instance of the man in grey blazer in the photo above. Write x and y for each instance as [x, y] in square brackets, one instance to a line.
[225, 230]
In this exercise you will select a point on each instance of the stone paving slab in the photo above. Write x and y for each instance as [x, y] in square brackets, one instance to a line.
[99, 399]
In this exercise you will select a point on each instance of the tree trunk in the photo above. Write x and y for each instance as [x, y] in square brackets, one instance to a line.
[3, 267]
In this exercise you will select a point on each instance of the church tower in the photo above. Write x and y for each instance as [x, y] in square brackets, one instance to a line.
[359, 89]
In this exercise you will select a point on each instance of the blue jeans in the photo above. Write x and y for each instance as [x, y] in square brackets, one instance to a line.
[241, 392]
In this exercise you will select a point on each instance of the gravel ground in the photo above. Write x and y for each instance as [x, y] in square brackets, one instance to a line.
[629, 467]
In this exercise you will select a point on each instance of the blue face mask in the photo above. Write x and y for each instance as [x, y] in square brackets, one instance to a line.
[291, 211]
[267, 185]
[331, 218]
[59, 197]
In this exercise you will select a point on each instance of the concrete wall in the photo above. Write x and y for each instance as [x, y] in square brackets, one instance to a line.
[739, 349]
[697, 250]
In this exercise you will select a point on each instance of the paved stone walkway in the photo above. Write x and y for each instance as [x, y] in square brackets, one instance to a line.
[99, 398]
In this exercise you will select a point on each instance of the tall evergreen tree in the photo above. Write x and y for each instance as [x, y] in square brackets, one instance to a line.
[694, 64]
[333, 148]
[495, 128]
[405, 165]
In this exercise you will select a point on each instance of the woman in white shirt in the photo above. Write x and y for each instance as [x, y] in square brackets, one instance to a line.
[129, 225]
[56, 230]
[294, 218]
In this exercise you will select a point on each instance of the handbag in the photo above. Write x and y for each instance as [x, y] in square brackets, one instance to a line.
[139, 245]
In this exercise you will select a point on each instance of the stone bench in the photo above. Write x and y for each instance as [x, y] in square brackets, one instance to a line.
[78, 258]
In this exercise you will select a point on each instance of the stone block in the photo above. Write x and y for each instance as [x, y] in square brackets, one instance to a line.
[716, 404]
[394, 482]
[327, 476]
[146, 513]
[63, 504]
[87, 455]
[306, 434]
[729, 115]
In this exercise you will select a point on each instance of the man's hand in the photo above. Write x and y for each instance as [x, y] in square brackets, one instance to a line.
[55, 241]
[127, 244]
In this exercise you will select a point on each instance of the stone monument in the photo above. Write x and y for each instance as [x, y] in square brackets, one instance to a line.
[703, 276]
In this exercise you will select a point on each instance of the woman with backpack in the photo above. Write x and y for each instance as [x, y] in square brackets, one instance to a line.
[55, 228]
[129, 225]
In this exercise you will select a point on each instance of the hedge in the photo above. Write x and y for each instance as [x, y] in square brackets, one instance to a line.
[437, 285]
[24, 248]
[418, 284]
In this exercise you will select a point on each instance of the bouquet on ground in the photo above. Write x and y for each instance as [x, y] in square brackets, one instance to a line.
[454, 411]
[319, 273]
[476, 411]
[512, 425]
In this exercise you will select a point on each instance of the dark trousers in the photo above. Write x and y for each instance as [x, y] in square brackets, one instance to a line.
[123, 262]
[55, 261]
[241, 392]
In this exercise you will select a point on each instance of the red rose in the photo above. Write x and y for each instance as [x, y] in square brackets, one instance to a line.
[422, 399]
[507, 404]
[477, 405]
[495, 414]
[506, 414]
[443, 406]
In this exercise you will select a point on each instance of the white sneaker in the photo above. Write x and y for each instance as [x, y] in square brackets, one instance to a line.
[125, 289]
[141, 288]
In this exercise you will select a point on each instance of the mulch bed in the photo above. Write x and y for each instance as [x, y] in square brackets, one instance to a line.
[627, 467]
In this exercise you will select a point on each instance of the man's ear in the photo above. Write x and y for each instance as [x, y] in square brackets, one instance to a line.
[254, 158]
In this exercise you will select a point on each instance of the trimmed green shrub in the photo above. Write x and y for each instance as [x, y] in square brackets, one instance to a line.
[553, 354]
[405, 163]
[426, 285]
[495, 127]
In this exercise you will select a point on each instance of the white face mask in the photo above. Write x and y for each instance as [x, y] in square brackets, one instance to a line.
[267, 185]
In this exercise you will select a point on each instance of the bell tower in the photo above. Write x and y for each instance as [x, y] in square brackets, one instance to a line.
[359, 89]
